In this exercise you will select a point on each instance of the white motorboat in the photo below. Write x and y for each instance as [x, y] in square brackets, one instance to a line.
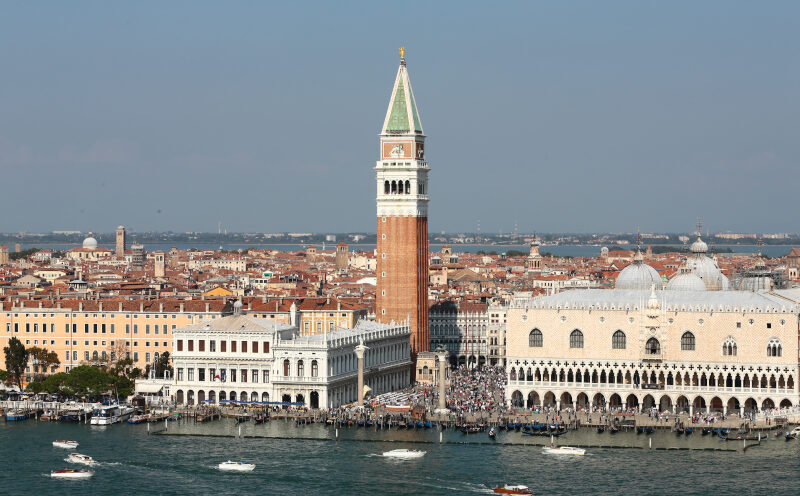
[68, 473]
[78, 458]
[236, 466]
[563, 450]
[62, 443]
[404, 453]
[110, 414]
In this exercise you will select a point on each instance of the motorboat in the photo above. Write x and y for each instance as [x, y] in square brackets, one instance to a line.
[236, 466]
[110, 414]
[78, 458]
[137, 419]
[563, 450]
[62, 443]
[405, 454]
[492, 433]
[516, 489]
[14, 415]
[68, 473]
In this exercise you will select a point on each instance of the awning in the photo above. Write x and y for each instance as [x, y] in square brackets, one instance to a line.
[149, 388]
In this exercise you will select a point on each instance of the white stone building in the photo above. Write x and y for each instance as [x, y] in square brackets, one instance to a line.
[239, 358]
[686, 350]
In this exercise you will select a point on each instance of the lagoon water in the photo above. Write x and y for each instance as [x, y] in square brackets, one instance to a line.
[293, 459]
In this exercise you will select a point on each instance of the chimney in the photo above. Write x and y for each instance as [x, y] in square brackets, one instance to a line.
[207, 306]
[58, 305]
[80, 306]
[101, 306]
[120, 306]
[141, 306]
[161, 306]
[181, 307]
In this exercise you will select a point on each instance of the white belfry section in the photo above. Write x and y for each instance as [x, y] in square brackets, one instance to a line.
[402, 172]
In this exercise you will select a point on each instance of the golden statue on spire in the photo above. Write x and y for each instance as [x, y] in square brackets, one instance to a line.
[402, 53]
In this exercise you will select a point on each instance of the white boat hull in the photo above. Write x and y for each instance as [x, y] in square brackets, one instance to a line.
[88, 460]
[565, 451]
[237, 467]
[71, 475]
[65, 444]
[404, 454]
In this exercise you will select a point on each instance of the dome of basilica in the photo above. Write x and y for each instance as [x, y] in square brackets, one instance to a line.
[638, 275]
[686, 281]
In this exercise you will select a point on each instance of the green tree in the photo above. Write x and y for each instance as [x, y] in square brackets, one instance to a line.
[161, 365]
[43, 360]
[56, 384]
[34, 387]
[3, 376]
[16, 361]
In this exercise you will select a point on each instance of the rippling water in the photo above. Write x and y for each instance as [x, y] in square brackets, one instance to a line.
[296, 460]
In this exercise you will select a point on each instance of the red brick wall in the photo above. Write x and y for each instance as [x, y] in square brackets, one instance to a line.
[405, 283]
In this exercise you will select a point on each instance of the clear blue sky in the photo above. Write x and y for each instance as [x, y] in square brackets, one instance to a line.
[567, 116]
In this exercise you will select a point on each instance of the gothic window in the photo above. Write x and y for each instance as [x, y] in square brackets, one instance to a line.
[652, 347]
[618, 340]
[394, 187]
[300, 368]
[400, 186]
[774, 348]
[687, 341]
[535, 339]
[386, 187]
[729, 347]
[408, 187]
[576, 339]
[314, 368]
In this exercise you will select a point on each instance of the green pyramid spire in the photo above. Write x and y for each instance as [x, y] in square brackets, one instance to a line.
[402, 116]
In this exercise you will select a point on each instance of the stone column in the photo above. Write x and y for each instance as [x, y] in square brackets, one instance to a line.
[442, 356]
[691, 410]
[360, 349]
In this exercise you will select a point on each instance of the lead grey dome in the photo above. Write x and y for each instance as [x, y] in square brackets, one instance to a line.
[686, 281]
[638, 275]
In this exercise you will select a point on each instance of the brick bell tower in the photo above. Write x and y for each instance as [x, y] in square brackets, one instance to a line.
[402, 181]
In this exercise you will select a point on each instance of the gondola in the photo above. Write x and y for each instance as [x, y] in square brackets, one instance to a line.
[614, 429]
[650, 430]
[492, 434]
[470, 430]
[688, 431]
[679, 431]
[601, 429]
[640, 429]
[790, 435]
[706, 431]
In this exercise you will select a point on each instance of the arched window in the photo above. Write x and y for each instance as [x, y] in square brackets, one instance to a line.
[300, 368]
[400, 187]
[618, 340]
[314, 368]
[774, 348]
[687, 341]
[286, 368]
[652, 347]
[394, 186]
[408, 187]
[576, 339]
[729, 347]
[386, 187]
[535, 339]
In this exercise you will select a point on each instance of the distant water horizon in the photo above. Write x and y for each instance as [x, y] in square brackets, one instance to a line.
[557, 250]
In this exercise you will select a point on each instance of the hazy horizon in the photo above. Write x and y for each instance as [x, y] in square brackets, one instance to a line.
[575, 117]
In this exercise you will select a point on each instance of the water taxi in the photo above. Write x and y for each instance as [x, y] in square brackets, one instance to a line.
[68, 473]
[236, 466]
[404, 454]
[110, 414]
[14, 415]
[63, 443]
[137, 419]
[563, 450]
[518, 489]
[78, 458]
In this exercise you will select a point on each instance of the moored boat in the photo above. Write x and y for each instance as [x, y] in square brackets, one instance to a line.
[16, 415]
[515, 489]
[137, 419]
[492, 434]
[78, 458]
[563, 450]
[242, 466]
[68, 473]
[404, 453]
[63, 443]
[110, 414]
